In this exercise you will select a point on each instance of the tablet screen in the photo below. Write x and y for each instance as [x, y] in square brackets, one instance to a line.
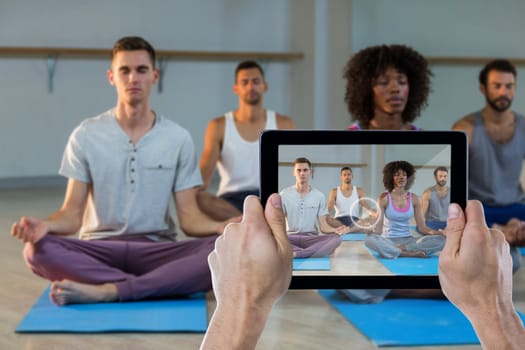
[346, 175]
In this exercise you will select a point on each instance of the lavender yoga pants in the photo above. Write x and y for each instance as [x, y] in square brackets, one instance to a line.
[139, 269]
[306, 246]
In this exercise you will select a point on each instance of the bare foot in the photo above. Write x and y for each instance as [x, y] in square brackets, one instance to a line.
[358, 229]
[416, 254]
[69, 292]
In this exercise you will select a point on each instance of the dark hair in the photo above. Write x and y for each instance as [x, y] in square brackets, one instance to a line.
[303, 160]
[365, 66]
[391, 168]
[134, 43]
[440, 168]
[248, 65]
[346, 168]
[500, 65]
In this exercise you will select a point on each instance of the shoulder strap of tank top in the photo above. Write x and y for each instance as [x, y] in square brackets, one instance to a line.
[478, 118]
[228, 118]
[520, 120]
[230, 130]
[271, 120]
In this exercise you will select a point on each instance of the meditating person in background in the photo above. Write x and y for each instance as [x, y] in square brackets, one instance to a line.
[435, 200]
[398, 208]
[387, 86]
[231, 142]
[496, 137]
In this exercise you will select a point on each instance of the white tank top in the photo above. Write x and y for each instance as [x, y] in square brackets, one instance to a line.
[239, 161]
[343, 204]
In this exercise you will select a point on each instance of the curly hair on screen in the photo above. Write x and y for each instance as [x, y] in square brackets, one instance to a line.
[368, 64]
[393, 167]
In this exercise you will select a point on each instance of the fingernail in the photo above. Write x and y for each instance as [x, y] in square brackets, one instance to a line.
[276, 201]
[453, 211]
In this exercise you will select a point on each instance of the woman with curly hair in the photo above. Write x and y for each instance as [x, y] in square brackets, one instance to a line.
[387, 86]
[398, 207]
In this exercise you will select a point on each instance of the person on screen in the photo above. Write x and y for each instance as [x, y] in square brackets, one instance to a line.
[496, 137]
[346, 200]
[251, 268]
[435, 200]
[398, 207]
[307, 216]
[231, 142]
[124, 167]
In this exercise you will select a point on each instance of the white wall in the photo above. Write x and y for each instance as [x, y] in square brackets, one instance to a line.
[467, 28]
[35, 124]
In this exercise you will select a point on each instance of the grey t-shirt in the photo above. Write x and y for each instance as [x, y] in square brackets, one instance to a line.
[302, 212]
[494, 168]
[131, 185]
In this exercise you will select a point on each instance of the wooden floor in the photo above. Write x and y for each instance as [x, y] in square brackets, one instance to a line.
[301, 320]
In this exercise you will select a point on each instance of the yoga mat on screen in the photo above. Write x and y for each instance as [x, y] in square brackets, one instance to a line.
[354, 237]
[311, 263]
[409, 265]
[406, 322]
[174, 315]
[522, 250]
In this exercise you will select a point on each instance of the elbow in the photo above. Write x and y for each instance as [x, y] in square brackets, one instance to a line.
[186, 229]
[191, 234]
[73, 227]
[76, 227]
[189, 230]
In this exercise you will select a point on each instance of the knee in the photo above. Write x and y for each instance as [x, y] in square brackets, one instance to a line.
[33, 257]
[370, 240]
[35, 254]
[337, 239]
[332, 239]
[29, 253]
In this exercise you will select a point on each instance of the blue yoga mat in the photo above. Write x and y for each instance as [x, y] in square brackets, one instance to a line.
[522, 250]
[175, 315]
[406, 322]
[412, 266]
[409, 265]
[354, 237]
[311, 263]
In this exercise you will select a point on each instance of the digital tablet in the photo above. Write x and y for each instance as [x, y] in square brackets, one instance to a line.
[353, 262]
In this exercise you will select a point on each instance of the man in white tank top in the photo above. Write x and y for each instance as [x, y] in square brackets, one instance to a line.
[345, 199]
[231, 142]
[435, 200]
